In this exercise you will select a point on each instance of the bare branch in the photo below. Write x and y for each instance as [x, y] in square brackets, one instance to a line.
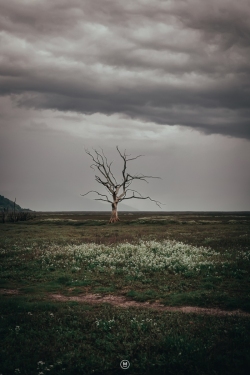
[139, 177]
[105, 167]
[153, 200]
[104, 183]
[99, 163]
[125, 156]
[108, 166]
[120, 196]
[124, 167]
[135, 191]
[94, 191]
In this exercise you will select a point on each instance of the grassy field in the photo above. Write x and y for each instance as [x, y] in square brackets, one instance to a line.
[173, 259]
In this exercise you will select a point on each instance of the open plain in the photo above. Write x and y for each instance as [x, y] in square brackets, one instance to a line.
[170, 292]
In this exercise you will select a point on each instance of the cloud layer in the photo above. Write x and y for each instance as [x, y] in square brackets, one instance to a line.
[167, 62]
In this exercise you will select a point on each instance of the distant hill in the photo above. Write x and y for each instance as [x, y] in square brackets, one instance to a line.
[8, 204]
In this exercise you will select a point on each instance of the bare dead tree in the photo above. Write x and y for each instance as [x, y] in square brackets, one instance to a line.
[118, 191]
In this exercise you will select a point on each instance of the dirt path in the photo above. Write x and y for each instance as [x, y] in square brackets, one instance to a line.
[122, 301]
[9, 292]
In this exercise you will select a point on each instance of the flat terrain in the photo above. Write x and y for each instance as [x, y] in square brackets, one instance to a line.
[170, 292]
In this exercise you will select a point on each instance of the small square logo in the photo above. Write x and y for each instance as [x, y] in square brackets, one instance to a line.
[124, 364]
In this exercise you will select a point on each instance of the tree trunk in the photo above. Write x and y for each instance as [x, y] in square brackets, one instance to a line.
[114, 215]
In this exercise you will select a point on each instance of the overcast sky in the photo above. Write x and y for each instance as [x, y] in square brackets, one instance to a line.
[166, 79]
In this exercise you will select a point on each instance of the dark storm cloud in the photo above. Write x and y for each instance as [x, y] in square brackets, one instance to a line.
[170, 62]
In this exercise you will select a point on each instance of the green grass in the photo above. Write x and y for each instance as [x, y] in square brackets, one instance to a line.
[79, 338]
[83, 339]
[143, 296]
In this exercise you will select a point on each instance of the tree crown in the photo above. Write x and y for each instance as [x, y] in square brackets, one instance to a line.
[118, 191]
